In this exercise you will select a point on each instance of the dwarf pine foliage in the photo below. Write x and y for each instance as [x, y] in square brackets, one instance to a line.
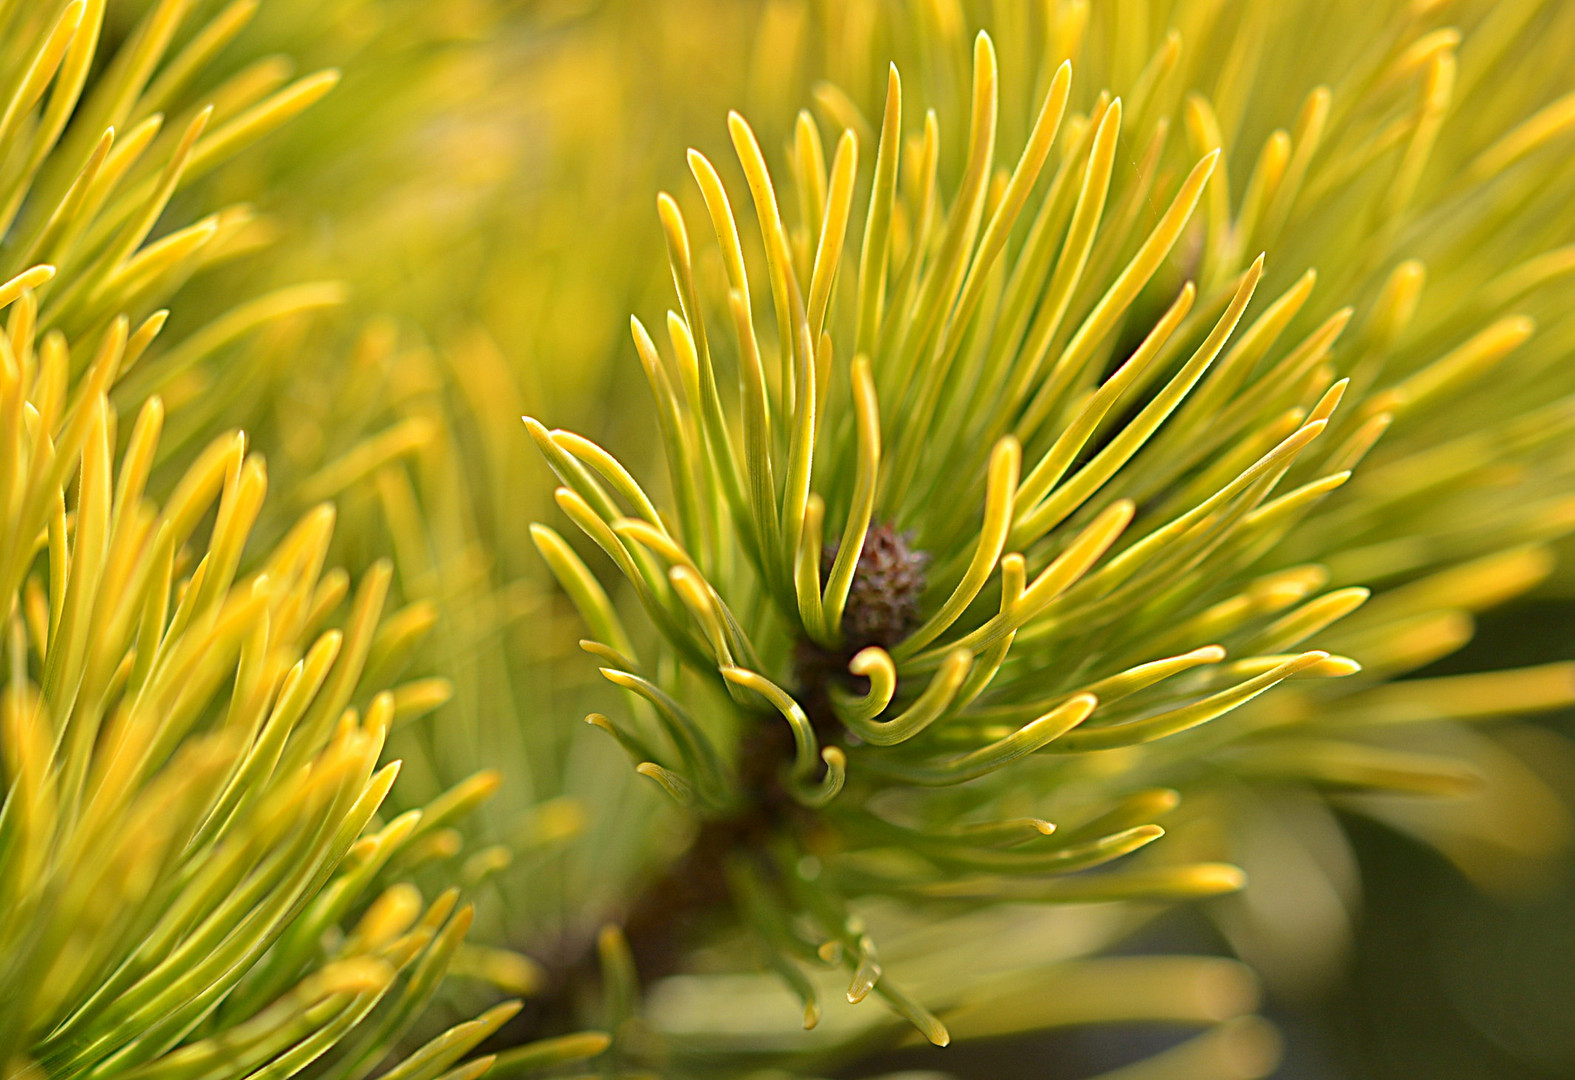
[1010, 470]
[1073, 422]
[195, 880]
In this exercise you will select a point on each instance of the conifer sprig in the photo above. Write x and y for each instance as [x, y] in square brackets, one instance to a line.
[194, 879]
[1051, 374]
[948, 700]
